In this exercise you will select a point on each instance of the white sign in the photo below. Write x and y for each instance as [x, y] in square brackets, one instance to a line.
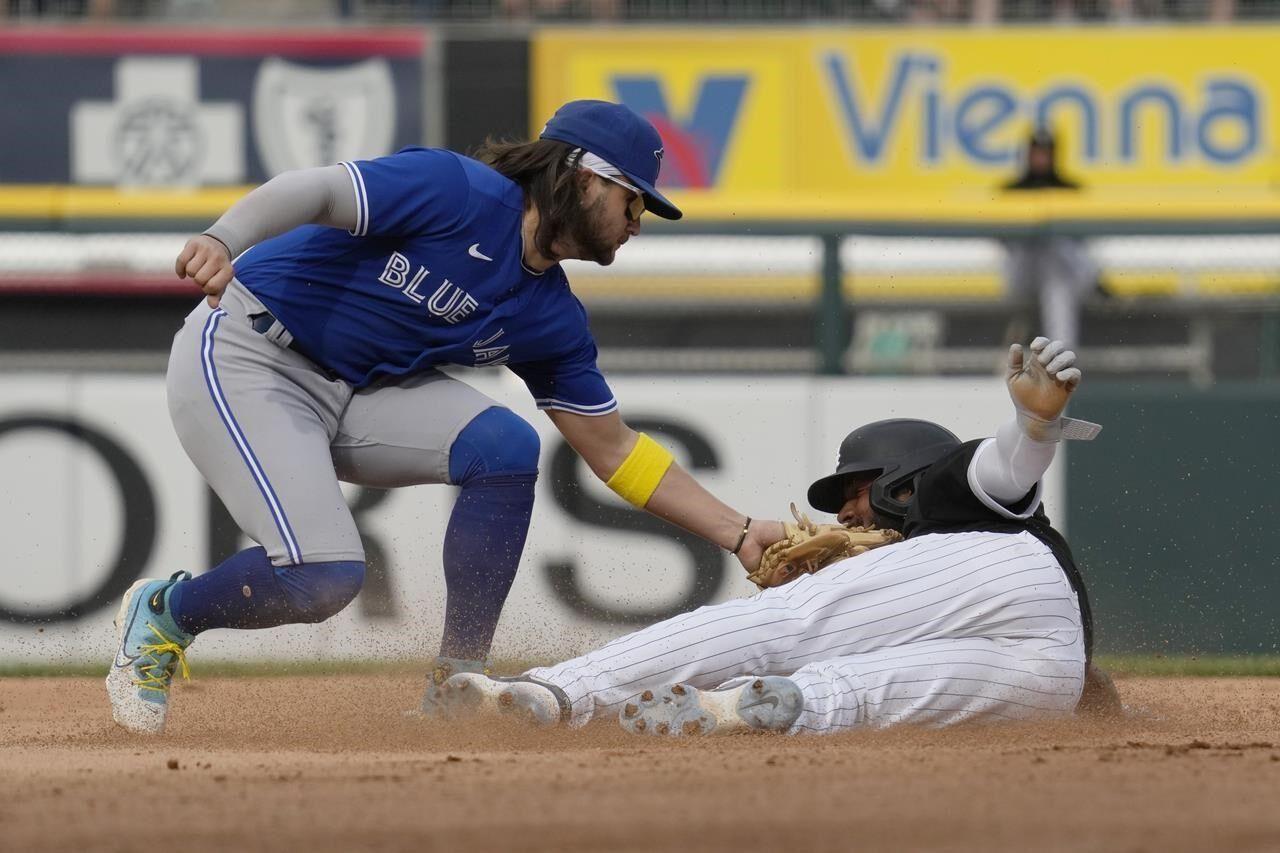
[157, 132]
[304, 117]
[96, 491]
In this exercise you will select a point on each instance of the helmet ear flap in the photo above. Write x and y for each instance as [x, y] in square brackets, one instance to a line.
[890, 511]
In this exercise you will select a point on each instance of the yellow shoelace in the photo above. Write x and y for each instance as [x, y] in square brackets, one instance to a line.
[156, 675]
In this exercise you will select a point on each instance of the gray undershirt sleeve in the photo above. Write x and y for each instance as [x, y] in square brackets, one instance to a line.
[320, 196]
[1010, 468]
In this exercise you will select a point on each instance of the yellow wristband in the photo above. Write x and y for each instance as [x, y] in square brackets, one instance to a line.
[640, 473]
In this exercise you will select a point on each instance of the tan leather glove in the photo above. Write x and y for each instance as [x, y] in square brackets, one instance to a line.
[809, 547]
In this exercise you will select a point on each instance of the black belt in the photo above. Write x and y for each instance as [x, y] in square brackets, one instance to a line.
[262, 324]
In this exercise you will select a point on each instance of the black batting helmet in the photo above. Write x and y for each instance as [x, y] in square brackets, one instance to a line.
[894, 451]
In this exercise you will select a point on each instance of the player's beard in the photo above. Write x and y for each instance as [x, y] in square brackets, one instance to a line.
[585, 230]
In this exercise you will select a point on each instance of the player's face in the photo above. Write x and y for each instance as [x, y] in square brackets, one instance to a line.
[632, 201]
[856, 511]
[611, 216]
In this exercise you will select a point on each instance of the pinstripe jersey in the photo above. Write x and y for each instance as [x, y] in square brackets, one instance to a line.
[949, 502]
[432, 274]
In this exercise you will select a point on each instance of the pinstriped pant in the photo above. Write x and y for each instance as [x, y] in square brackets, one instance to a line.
[935, 630]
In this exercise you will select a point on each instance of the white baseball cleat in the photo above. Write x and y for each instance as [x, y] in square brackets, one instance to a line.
[150, 649]
[771, 703]
[444, 669]
[473, 694]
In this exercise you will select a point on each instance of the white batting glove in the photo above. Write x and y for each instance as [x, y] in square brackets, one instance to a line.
[1040, 387]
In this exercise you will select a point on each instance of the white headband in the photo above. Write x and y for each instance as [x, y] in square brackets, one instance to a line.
[603, 168]
[598, 165]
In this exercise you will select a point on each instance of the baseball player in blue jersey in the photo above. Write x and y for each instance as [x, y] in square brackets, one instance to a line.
[978, 613]
[333, 294]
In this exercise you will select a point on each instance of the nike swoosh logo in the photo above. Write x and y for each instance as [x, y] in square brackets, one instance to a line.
[475, 252]
[122, 658]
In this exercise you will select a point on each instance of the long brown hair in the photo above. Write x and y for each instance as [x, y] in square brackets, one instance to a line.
[546, 172]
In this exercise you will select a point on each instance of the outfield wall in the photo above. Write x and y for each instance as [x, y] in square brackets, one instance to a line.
[1173, 514]
[96, 492]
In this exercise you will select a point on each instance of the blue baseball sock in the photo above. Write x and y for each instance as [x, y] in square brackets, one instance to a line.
[495, 461]
[246, 591]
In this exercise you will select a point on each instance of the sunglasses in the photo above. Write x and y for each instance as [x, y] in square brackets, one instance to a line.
[635, 207]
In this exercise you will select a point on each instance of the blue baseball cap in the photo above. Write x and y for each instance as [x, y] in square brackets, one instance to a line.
[620, 136]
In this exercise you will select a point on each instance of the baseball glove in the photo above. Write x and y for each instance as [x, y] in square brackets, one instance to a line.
[809, 547]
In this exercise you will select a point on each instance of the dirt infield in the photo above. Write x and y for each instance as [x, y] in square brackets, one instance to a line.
[329, 763]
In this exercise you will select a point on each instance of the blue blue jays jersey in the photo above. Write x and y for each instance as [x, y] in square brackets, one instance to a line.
[431, 274]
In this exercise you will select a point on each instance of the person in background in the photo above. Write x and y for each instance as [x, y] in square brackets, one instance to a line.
[1054, 269]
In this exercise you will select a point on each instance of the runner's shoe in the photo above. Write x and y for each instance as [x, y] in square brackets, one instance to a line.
[771, 703]
[442, 670]
[472, 695]
[151, 648]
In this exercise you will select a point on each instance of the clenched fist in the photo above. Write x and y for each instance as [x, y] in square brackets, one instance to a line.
[207, 262]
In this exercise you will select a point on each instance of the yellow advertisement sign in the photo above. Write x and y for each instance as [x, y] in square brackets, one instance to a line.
[819, 116]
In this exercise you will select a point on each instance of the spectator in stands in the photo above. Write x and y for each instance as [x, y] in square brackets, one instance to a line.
[558, 9]
[912, 11]
[1054, 268]
[57, 9]
[990, 11]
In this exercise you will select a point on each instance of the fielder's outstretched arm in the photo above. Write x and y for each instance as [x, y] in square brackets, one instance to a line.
[635, 467]
[1024, 446]
[321, 196]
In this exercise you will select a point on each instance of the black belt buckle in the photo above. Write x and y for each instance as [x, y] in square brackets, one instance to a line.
[262, 323]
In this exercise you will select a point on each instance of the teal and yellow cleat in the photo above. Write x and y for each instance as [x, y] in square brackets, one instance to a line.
[151, 649]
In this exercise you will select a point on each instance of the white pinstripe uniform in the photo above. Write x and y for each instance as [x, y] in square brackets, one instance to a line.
[941, 628]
